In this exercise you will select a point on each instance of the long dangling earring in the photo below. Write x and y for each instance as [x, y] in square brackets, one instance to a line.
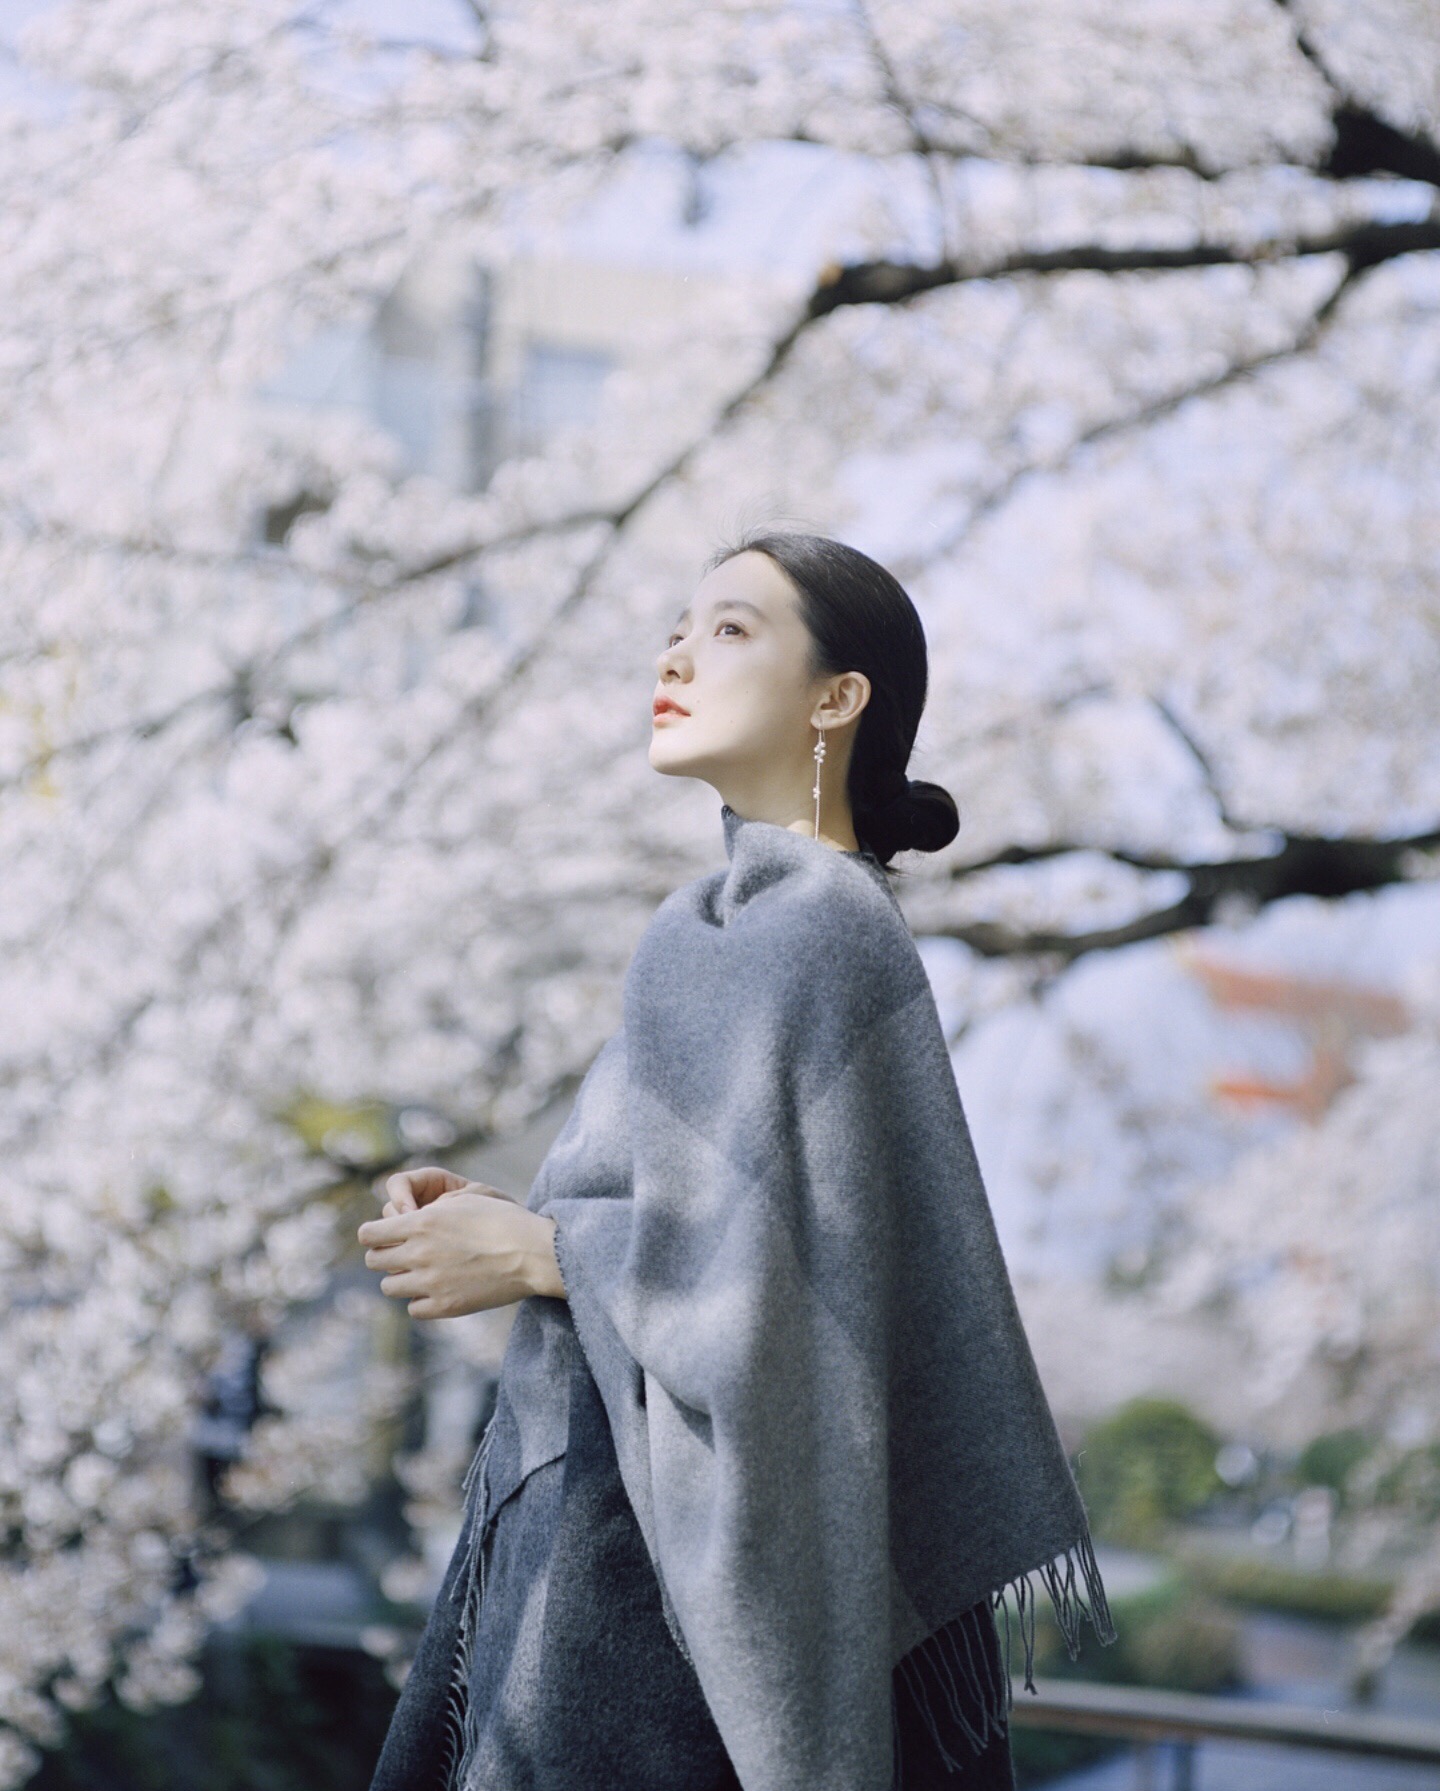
[819, 757]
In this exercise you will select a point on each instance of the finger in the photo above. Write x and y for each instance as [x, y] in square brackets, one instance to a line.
[428, 1307]
[392, 1260]
[377, 1234]
[421, 1186]
[405, 1286]
[401, 1193]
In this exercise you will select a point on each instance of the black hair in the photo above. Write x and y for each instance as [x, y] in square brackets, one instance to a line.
[860, 619]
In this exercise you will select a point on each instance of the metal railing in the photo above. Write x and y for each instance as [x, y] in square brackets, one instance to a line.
[1182, 1719]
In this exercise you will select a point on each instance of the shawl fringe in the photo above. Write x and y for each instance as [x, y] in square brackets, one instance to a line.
[462, 1726]
[955, 1665]
[1066, 1601]
[955, 1657]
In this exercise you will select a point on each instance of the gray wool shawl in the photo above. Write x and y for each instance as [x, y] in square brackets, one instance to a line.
[783, 1272]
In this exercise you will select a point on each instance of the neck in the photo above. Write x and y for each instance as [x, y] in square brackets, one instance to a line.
[836, 827]
[771, 790]
[843, 843]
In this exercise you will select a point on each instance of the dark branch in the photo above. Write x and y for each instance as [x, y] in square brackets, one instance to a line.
[1363, 245]
[1364, 143]
[1210, 776]
[1306, 864]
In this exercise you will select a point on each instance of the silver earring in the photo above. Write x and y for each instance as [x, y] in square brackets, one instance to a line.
[819, 758]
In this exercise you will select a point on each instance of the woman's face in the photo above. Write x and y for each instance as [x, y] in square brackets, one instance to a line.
[737, 664]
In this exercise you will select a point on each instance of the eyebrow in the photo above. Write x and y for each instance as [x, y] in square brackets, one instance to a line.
[728, 603]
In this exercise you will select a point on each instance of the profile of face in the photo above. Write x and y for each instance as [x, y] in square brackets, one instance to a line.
[737, 703]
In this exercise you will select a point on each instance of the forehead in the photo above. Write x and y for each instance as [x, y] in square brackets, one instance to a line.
[748, 581]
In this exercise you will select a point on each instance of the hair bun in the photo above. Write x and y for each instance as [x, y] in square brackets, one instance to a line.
[911, 816]
[933, 817]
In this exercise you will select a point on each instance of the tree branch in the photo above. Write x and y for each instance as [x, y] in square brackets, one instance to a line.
[1306, 864]
[920, 139]
[1363, 245]
[1109, 427]
[1364, 142]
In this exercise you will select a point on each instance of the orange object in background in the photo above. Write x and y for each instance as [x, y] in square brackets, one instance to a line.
[1335, 1013]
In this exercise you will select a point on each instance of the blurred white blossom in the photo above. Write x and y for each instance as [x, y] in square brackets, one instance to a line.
[1089, 318]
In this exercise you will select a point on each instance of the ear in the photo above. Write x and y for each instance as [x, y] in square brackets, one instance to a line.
[843, 700]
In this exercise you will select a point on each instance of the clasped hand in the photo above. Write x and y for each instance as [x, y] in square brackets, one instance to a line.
[449, 1246]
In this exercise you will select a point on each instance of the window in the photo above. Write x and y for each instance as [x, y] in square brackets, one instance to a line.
[558, 385]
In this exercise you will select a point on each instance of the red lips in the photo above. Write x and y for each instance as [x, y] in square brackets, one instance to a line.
[668, 705]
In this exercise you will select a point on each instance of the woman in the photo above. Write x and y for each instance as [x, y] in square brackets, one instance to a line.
[769, 1448]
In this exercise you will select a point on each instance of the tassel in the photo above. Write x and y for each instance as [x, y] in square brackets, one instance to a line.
[956, 1663]
[462, 1735]
[1069, 1606]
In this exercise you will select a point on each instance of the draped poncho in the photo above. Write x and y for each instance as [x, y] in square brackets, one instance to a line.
[782, 1268]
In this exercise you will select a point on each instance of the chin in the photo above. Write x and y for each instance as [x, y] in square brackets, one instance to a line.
[669, 763]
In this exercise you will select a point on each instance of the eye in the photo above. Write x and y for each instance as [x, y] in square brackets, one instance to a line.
[735, 625]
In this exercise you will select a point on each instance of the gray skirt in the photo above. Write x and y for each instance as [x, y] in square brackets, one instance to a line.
[575, 1681]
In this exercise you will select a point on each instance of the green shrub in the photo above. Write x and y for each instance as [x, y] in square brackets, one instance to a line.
[1171, 1636]
[1409, 1478]
[1345, 1598]
[1328, 1459]
[1149, 1464]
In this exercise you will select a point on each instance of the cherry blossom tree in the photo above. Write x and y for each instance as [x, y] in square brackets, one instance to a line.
[1113, 328]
